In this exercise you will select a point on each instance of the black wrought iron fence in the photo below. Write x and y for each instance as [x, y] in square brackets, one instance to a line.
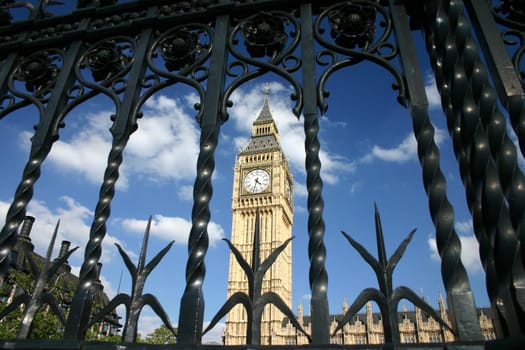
[128, 51]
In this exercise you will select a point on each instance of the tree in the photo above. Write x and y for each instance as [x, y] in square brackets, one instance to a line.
[161, 335]
[45, 325]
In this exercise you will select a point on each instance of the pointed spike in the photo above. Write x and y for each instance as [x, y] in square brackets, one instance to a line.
[144, 248]
[52, 242]
[381, 252]
[256, 259]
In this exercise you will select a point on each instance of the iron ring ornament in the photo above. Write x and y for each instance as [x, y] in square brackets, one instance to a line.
[270, 39]
[354, 34]
[32, 80]
[39, 72]
[353, 25]
[264, 35]
[183, 51]
[108, 61]
[179, 55]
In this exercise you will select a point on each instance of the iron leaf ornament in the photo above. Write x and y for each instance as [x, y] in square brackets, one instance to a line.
[135, 302]
[254, 302]
[40, 296]
[386, 297]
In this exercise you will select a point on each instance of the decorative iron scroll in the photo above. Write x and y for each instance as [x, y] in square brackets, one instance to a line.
[255, 301]
[386, 297]
[354, 27]
[137, 300]
[274, 35]
[129, 50]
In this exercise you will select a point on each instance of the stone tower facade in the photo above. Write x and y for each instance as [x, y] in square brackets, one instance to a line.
[262, 180]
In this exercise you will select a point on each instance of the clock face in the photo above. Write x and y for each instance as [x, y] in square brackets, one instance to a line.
[256, 181]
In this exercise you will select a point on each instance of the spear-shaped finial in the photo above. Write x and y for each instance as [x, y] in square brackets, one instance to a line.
[381, 251]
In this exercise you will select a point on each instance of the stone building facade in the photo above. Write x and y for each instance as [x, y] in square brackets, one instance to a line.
[366, 328]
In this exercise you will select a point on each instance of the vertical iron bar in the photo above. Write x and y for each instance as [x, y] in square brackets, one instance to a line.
[485, 156]
[41, 142]
[123, 127]
[461, 304]
[504, 74]
[316, 226]
[192, 301]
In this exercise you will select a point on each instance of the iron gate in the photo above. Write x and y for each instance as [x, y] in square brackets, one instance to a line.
[137, 48]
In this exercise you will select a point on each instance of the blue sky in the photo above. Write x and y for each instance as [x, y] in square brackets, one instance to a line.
[368, 155]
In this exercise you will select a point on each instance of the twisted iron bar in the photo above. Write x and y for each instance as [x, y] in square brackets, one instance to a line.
[316, 226]
[198, 240]
[462, 308]
[125, 123]
[45, 135]
[23, 195]
[318, 276]
[453, 54]
[502, 148]
[192, 302]
[448, 243]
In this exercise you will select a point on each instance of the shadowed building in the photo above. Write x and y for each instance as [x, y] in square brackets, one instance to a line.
[62, 284]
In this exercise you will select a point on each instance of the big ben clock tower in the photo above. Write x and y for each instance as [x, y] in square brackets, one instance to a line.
[261, 180]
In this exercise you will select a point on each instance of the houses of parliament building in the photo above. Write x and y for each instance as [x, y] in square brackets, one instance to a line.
[263, 183]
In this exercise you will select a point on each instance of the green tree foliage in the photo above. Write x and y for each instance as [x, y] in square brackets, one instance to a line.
[45, 326]
[161, 335]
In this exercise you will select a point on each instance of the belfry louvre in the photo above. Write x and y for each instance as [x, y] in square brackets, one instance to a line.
[56, 60]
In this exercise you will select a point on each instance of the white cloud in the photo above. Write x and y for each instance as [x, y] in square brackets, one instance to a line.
[74, 227]
[185, 193]
[4, 207]
[171, 228]
[469, 252]
[300, 189]
[464, 226]
[401, 153]
[148, 323]
[215, 334]
[248, 104]
[165, 146]
[434, 99]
